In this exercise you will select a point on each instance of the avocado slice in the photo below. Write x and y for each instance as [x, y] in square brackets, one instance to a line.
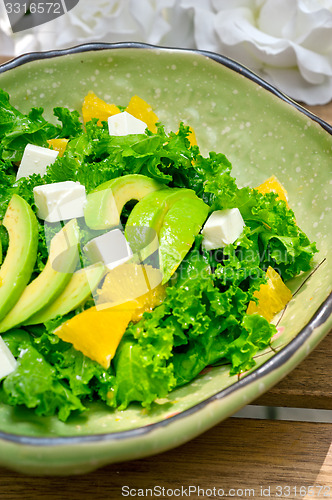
[15, 273]
[177, 234]
[61, 263]
[78, 290]
[104, 205]
[146, 218]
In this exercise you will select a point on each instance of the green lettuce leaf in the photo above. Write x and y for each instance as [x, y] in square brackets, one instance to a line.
[95, 157]
[71, 122]
[274, 231]
[141, 370]
[84, 376]
[202, 321]
[17, 129]
[34, 383]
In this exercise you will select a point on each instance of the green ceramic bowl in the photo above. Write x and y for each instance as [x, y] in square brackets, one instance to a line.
[263, 133]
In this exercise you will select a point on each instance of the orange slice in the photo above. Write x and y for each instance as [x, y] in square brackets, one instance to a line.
[272, 184]
[97, 332]
[94, 107]
[127, 293]
[58, 145]
[141, 284]
[192, 137]
[272, 296]
[143, 111]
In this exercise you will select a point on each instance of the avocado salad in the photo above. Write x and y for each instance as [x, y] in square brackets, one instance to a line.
[129, 261]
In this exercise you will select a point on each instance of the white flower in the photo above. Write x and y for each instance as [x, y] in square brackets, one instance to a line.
[103, 21]
[287, 42]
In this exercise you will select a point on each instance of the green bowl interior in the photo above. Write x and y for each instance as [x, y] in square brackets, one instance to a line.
[259, 133]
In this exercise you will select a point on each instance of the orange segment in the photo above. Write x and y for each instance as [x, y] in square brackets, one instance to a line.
[58, 145]
[94, 107]
[272, 184]
[141, 284]
[128, 291]
[97, 332]
[143, 111]
[272, 296]
[192, 137]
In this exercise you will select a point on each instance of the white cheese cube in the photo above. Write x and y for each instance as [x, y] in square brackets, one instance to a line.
[110, 248]
[222, 228]
[60, 201]
[125, 124]
[7, 361]
[35, 160]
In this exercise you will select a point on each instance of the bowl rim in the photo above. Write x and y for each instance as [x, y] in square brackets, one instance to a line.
[279, 358]
[224, 60]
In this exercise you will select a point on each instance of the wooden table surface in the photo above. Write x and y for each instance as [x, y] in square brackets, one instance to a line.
[239, 458]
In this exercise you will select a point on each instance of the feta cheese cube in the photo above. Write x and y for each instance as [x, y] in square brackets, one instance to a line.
[125, 124]
[35, 160]
[222, 228]
[7, 361]
[60, 201]
[110, 248]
